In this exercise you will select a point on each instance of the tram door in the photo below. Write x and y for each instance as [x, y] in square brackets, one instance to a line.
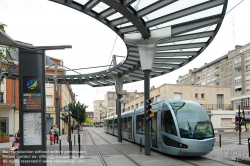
[154, 142]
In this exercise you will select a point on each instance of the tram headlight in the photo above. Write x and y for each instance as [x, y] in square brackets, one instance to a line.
[183, 146]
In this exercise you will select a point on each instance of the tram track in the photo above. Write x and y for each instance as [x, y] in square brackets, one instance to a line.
[195, 163]
[96, 148]
[101, 156]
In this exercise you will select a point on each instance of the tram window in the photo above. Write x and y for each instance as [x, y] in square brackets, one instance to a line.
[115, 124]
[167, 123]
[125, 125]
[129, 124]
[109, 124]
[140, 124]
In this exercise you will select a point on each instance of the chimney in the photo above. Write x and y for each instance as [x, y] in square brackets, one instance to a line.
[205, 64]
[190, 70]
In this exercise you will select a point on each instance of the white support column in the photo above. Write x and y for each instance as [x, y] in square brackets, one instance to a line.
[118, 88]
[147, 46]
[146, 51]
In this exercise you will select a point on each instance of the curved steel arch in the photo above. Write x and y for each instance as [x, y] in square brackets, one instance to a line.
[166, 58]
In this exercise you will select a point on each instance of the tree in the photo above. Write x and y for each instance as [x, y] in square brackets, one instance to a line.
[74, 107]
[88, 121]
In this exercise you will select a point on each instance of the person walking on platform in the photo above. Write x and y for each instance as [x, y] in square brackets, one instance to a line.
[56, 133]
[237, 126]
[52, 136]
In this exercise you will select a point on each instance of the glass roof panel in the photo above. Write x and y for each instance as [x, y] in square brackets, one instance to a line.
[124, 25]
[209, 28]
[114, 16]
[202, 14]
[83, 2]
[100, 7]
[140, 4]
[205, 39]
[180, 50]
[174, 7]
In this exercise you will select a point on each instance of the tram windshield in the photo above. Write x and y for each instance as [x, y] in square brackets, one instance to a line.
[193, 120]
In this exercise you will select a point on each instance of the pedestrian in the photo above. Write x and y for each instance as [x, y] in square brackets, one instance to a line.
[52, 137]
[237, 127]
[72, 128]
[56, 134]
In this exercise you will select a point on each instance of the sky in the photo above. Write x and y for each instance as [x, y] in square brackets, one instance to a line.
[45, 23]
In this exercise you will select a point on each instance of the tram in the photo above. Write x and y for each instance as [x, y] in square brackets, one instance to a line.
[178, 127]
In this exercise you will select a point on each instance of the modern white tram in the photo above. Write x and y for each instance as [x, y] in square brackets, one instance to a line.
[178, 127]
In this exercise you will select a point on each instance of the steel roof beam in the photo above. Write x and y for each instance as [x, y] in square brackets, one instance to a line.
[134, 53]
[153, 7]
[185, 12]
[90, 5]
[165, 64]
[174, 54]
[123, 68]
[188, 37]
[195, 24]
[127, 29]
[128, 2]
[118, 21]
[161, 69]
[68, 2]
[180, 46]
[134, 78]
[134, 58]
[131, 62]
[128, 65]
[170, 60]
[106, 13]
[136, 75]
[130, 15]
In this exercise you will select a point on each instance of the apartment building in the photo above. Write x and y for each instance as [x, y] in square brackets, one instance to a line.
[9, 103]
[213, 98]
[107, 107]
[231, 70]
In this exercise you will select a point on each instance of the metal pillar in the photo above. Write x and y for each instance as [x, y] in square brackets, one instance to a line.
[57, 100]
[79, 144]
[239, 127]
[119, 125]
[147, 123]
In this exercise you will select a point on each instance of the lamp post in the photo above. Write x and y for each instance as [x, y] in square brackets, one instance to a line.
[100, 114]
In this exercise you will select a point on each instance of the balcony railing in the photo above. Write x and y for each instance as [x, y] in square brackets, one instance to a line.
[218, 106]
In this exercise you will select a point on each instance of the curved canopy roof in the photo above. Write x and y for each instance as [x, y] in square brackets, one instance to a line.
[194, 25]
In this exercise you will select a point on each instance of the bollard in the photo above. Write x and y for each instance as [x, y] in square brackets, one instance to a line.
[74, 140]
[220, 140]
[249, 147]
[70, 149]
[140, 145]
[62, 131]
[79, 144]
[60, 146]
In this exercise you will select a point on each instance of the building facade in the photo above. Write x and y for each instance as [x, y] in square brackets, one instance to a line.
[231, 70]
[107, 107]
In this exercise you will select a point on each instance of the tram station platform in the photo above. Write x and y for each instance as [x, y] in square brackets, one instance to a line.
[95, 142]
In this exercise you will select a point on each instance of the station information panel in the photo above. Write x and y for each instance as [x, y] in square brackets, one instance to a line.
[32, 97]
